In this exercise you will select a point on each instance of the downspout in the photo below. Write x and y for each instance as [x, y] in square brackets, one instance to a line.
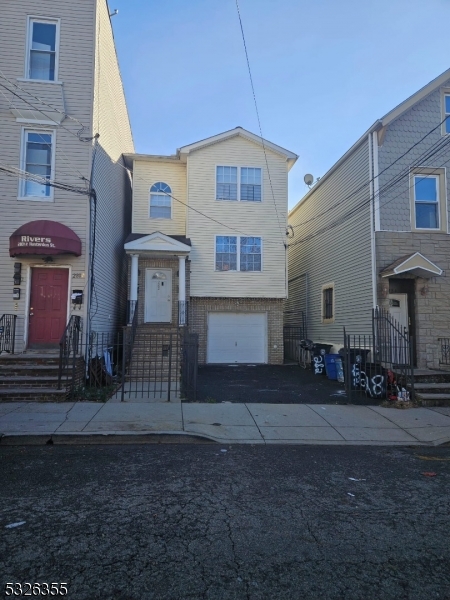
[372, 225]
[92, 201]
[376, 182]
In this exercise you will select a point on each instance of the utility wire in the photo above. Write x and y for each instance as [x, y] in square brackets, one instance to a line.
[332, 207]
[73, 170]
[359, 207]
[61, 112]
[282, 230]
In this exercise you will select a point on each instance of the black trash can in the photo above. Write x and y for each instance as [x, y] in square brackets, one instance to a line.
[317, 358]
[358, 362]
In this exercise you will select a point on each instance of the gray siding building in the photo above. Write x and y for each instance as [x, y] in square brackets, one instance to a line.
[374, 231]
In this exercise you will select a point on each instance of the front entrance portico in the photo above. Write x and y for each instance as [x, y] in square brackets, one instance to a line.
[156, 280]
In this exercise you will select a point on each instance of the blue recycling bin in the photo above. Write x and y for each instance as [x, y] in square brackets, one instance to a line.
[330, 365]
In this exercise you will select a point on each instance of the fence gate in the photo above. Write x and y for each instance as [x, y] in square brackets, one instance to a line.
[189, 366]
[292, 335]
[380, 365]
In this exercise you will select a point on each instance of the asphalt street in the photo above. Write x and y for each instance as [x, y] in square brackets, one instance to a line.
[207, 521]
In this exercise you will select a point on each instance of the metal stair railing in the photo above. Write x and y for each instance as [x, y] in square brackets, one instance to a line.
[7, 332]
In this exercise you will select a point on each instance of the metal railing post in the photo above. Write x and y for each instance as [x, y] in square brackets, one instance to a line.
[170, 368]
[124, 336]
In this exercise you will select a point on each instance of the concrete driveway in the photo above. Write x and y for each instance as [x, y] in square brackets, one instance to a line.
[272, 384]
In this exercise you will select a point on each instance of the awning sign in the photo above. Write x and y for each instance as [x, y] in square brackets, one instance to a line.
[44, 237]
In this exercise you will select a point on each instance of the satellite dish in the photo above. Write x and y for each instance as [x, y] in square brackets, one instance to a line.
[308, 179]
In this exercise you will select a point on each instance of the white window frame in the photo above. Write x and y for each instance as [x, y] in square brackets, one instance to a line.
[445, 116]
[161, 194]
[35, 19]
[239, 168]
[327, 286]
[23, 158]
[440, 175]
[238, 252]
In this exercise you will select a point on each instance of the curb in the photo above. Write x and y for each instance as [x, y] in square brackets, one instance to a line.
[110, 437]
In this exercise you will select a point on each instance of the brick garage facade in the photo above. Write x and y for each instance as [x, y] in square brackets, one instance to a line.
[172, 263]
[198, 319]
[431, 296]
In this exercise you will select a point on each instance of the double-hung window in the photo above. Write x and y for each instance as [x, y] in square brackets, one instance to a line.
[37, 161]
[160, 201]
[242, 184]
[42, 59]
[226, 183]
[250, 184]
[235, 253]
[426, 201]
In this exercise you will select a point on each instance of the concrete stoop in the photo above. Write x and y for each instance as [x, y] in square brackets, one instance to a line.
[432, 387]
[31, 376]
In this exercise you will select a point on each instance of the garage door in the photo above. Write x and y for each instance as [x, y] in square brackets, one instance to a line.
[237, 338]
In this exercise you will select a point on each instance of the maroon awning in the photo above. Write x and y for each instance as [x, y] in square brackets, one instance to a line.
[44, 237]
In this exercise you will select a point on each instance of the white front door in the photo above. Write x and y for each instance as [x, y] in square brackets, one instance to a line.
[158, 296]
[398, 308]
[237, 338]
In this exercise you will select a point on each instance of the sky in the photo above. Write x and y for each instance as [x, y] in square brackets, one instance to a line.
[323, 71]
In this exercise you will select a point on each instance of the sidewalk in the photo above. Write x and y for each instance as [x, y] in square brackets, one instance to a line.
[91, 422]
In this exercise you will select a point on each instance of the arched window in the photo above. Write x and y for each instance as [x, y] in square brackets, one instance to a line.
[160, 201]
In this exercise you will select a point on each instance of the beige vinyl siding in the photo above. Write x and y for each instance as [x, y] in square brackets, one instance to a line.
[110, 180]
[145, 174]
[72, 155]
[242, 218]
[338, 255]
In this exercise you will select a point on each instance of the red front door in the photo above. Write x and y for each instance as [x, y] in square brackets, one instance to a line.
[48, 307]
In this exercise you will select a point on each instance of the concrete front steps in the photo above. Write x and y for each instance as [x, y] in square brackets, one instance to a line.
[30, 377]
[432, 388]
[149, 359]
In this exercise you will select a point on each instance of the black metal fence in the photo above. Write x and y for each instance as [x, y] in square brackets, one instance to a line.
[292, 335]
[380, 365]
[136, 363]
[7, 333]
[444, 357]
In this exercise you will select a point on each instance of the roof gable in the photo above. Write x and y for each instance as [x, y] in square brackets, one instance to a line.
[240, 132]
[157, 242]
[416, 264]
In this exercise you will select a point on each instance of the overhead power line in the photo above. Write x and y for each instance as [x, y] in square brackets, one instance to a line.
[336, 204]
[282, 230]
[353, 211]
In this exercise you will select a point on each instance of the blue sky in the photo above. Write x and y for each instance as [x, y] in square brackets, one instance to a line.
[323, 70]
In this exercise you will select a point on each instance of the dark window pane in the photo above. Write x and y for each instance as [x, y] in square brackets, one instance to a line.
[160, 186]
[226, 191]
[427, 215]
[42, 65]
[251, 193]
[39, 154]
[328, 303]
[425, 189]
[447, 104]
[447, 125]
[44, 36]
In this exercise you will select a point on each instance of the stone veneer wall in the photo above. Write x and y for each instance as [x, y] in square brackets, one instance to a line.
[432, 296]
[159, 263]
[198, 320]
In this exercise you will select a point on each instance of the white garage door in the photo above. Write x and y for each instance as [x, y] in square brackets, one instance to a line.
[237, 337]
